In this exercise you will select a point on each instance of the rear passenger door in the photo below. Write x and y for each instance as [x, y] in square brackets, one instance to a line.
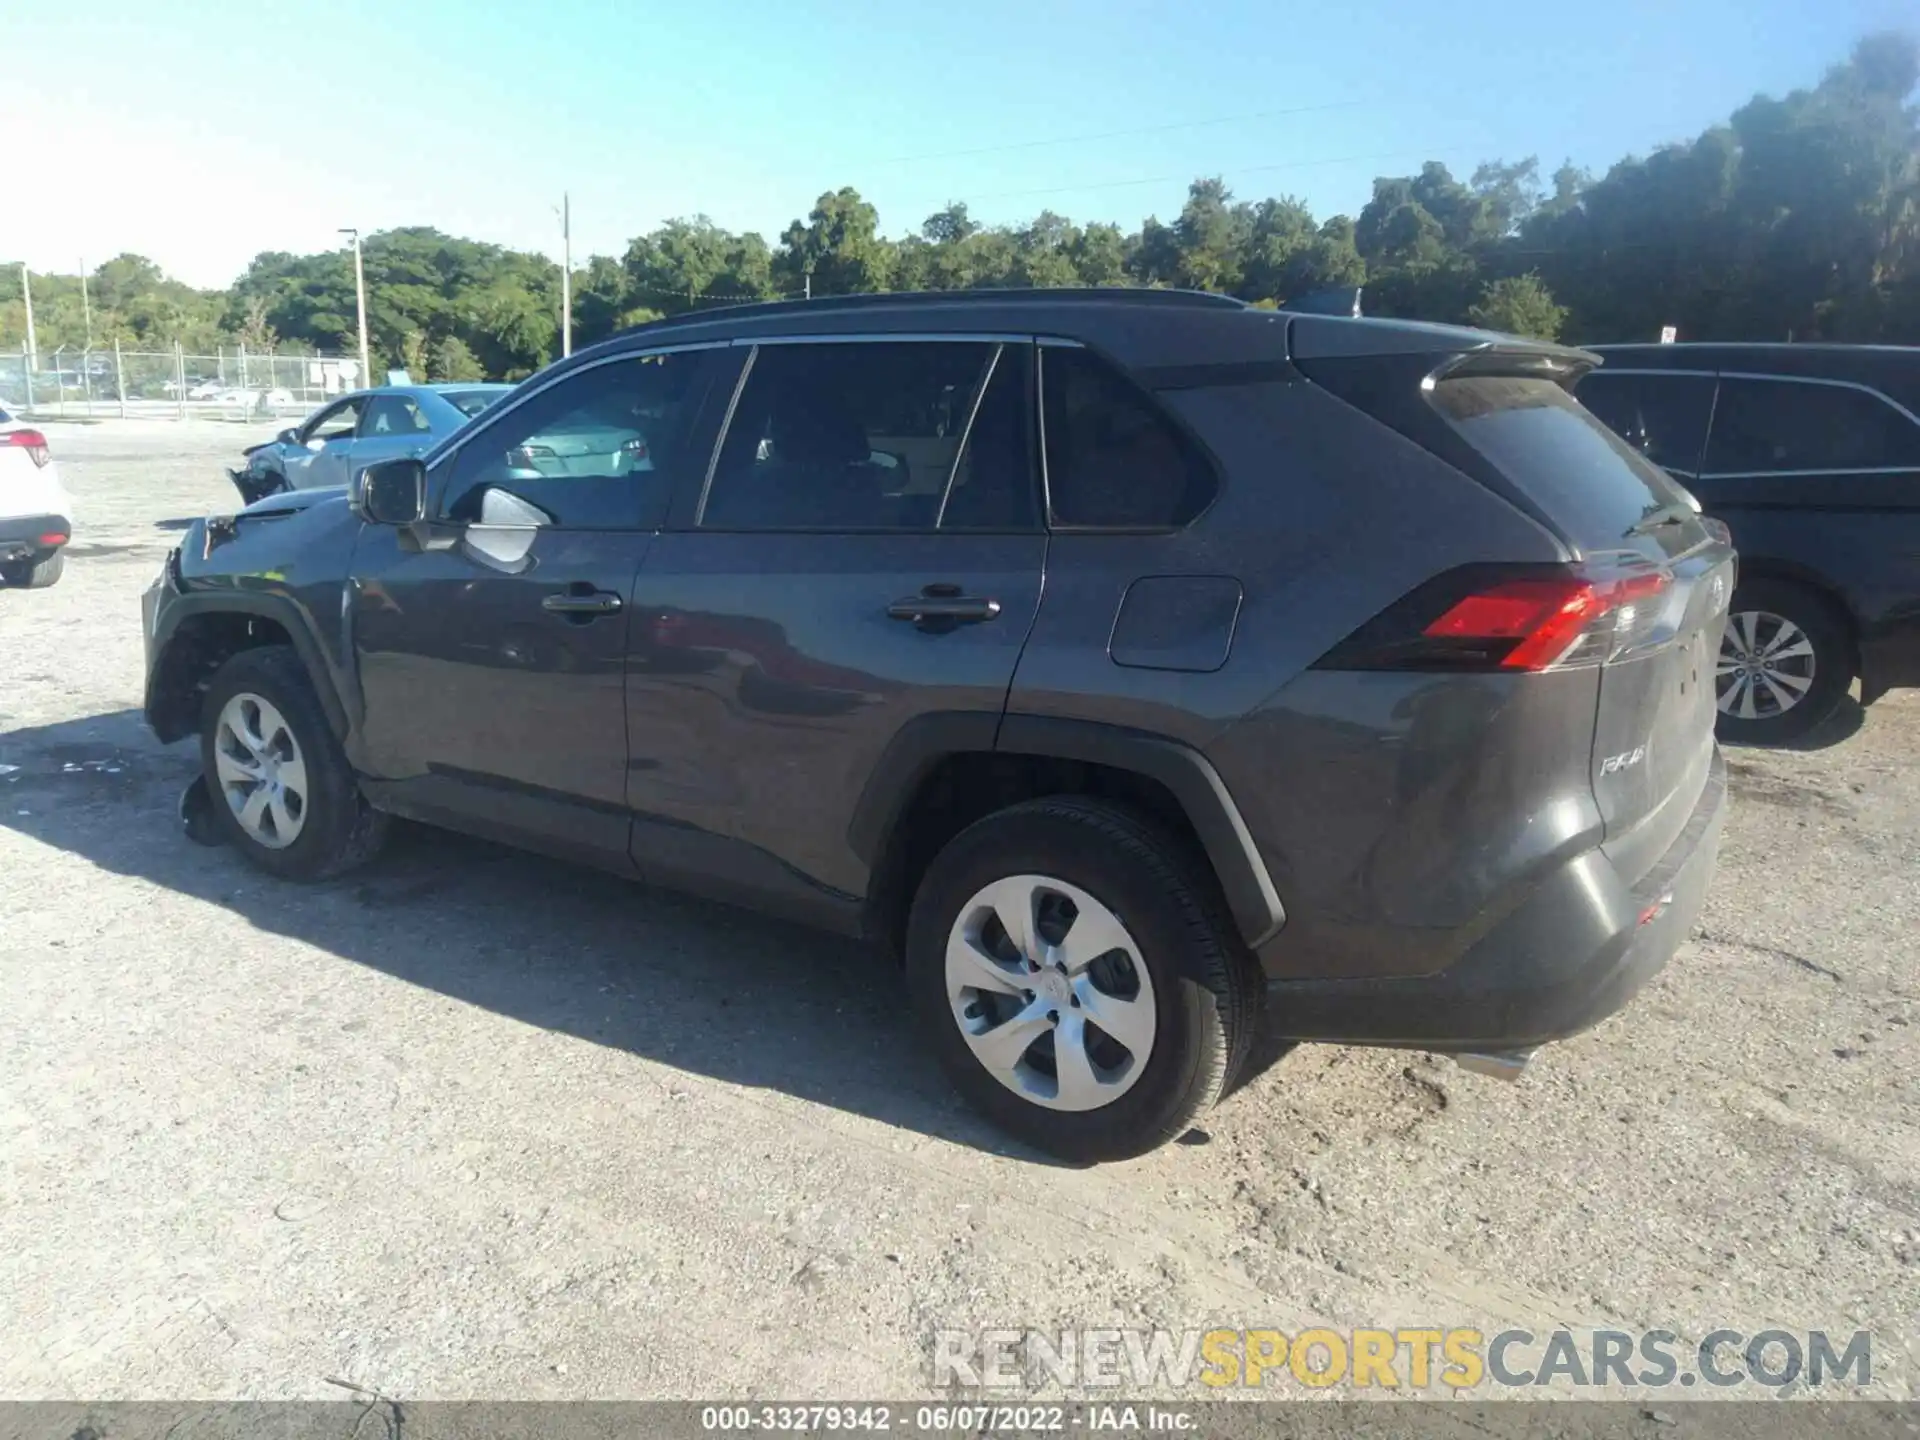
[865, 552]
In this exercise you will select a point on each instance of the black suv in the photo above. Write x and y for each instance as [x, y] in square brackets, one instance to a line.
[1131, 663]
[1811, 454]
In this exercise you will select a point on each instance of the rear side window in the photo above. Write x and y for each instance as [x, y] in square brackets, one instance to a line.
[388, 415]
[471, 402]
[874, 435]
[1767, 427]
[1587, 479]
[1114, 459]
[1664, 417]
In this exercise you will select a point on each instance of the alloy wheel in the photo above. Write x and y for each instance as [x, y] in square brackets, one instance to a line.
[1050, 992]
[1766, 666]
[260, 771]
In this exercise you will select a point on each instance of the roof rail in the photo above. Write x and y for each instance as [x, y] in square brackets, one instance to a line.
[1341, 300]
[1063, 295]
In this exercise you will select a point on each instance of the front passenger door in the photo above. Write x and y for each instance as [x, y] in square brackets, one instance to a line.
[492, 642]
[326, 442]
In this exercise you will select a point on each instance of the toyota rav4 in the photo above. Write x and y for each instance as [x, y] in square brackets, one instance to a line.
[1138, 667]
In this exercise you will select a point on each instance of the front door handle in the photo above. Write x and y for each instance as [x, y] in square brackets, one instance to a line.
[939, 604]
[581, 601]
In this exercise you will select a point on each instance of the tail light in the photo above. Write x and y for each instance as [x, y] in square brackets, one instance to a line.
[527, 457]
[1515, 618]
[32, 441]
[636, 448]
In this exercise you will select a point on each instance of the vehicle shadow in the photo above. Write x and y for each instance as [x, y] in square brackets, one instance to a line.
[700, 987]
[1838, 728]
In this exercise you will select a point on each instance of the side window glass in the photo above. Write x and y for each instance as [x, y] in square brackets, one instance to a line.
[338, 423]
[994, 485]
[863, 435]
[1114, 460]
[1664, 417]
[390, 415]
[1769, 426]
[597, 451]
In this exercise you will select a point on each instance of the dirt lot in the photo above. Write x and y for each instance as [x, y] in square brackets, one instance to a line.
[476, 1125]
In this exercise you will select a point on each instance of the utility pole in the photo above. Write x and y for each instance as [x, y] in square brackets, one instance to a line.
[566, 275]
[360, 300]
[86, 305]
[33, 345]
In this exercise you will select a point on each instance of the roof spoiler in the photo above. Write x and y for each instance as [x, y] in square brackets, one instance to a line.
[1341, 300]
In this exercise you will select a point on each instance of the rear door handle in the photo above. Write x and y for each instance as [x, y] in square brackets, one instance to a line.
[940, 605]
[582, 601]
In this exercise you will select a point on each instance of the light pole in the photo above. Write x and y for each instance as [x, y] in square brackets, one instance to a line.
[360, 300]
[566, 276]
[86, 305]
[33, 345]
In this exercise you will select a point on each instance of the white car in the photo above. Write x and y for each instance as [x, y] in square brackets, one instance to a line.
[36, 517]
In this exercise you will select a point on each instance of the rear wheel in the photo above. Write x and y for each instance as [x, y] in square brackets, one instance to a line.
[1077, 980]
[1786, 660]
[35, 574]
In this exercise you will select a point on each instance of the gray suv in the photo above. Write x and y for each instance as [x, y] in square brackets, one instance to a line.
[1137, 666]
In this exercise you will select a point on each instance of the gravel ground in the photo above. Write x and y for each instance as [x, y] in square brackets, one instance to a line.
[476, 1125]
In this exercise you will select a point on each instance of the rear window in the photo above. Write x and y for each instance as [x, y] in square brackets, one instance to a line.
[471, 402]
[1589, 481]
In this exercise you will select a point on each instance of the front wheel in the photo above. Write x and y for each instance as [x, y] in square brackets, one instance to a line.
[1077, 978]
[281, 790]
[1786, 660]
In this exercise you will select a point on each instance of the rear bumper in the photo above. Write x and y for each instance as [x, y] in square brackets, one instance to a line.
[1573, 953]
[1890, 660]
[24, 536]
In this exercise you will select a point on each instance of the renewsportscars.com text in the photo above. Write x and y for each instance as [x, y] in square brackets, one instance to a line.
[1402, 1359]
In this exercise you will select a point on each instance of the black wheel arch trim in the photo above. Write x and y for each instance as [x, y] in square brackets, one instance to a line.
[1187, 775]
[181, 607]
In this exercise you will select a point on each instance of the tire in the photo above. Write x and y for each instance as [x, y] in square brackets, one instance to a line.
[35, 574]
[1783, 642]
[1182, 955]
[332, 829]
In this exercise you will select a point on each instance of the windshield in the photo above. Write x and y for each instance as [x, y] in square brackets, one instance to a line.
[471, 402]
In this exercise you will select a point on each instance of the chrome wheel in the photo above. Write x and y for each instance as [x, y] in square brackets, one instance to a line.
[1766, 666]
[1050, 992]
[260, 771]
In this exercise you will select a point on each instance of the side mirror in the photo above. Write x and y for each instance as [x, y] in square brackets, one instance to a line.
[393, 492]
[289, 436]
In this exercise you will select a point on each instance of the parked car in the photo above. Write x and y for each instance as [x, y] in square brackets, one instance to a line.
[1811, 455]
[336, 441]
[1184, 661]
[36, 515]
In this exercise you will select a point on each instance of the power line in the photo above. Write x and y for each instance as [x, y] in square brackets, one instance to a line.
[1428, 152]
[1121, 134]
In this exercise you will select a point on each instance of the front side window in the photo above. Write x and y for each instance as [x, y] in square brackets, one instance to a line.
[1664, 417]
[1114, 459]
[339, 423]
[869, 435]
[1765, 427]
[593, 452]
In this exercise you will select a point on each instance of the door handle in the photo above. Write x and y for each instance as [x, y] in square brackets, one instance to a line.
[582, 601]
[944, 603]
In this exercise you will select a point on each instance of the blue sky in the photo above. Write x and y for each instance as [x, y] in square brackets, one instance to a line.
[200, 134]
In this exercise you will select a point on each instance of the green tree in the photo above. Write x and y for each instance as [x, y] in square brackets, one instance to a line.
[452, 360]
[837, 250]
[1519, 305]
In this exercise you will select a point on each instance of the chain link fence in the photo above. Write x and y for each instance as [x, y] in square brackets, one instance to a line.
[73, 383]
